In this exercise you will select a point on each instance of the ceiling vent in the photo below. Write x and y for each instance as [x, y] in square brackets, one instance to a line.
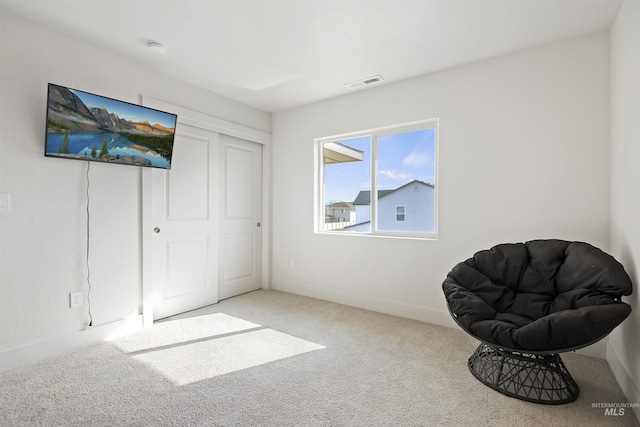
[364, 82]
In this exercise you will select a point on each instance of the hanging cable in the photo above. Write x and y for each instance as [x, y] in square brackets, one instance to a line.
[88, 269]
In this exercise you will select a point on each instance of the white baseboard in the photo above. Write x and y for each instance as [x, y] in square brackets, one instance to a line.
[379, 305]
[624, 378]
[31, 353]
[409, 311]
[597, 350]
[42, 350]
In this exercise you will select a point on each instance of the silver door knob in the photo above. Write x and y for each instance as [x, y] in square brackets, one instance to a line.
[258, 224]
[156, 230]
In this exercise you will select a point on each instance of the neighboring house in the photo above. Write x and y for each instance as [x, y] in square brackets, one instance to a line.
[340, 212]
[407, 208]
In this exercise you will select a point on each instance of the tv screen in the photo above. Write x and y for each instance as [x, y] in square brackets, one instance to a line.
[84, 126]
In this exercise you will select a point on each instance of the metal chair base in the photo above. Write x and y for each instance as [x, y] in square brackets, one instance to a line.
[530, 377]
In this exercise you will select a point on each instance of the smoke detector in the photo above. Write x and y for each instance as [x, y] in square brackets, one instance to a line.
[365, 82]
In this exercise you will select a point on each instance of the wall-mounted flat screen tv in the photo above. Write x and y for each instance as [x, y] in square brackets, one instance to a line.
[84, 126]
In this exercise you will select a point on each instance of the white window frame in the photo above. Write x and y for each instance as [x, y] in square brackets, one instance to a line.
[404, 213]
[374, 134]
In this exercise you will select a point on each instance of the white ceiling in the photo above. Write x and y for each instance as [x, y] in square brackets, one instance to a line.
[278, 54]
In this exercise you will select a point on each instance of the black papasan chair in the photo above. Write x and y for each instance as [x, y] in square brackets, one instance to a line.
[528, 302]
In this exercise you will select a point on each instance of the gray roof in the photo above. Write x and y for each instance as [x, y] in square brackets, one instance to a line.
[364, 197]
[347, 205]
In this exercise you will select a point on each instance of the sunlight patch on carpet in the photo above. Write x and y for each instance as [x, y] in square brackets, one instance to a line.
[186, 364]
[179, 331]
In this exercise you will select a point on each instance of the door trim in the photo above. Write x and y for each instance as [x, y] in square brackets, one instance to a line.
[215, 124]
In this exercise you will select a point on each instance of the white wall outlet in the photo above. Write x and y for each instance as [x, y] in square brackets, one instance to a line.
[75, 299]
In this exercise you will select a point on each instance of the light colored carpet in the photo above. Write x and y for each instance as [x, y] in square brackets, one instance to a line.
[274, 359]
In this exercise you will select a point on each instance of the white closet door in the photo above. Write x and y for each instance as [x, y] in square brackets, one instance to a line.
[240, 217]
[185, 224]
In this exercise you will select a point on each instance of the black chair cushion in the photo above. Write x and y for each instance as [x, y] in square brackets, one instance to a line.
[542, 295]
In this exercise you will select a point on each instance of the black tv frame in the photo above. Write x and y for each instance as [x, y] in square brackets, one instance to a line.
[71, 123]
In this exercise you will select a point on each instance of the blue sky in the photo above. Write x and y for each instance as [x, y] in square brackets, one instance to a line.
[401, 158]
[127, 111]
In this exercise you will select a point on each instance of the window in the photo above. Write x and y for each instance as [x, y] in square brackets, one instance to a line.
[380, 175]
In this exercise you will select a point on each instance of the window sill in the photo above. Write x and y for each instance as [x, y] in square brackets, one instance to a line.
[403, 236]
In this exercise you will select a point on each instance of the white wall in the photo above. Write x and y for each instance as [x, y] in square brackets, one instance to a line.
[624, 354]
[42, 237]
[524, 154]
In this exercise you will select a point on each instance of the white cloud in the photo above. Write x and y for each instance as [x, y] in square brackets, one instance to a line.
[393, 175]
[417, 159]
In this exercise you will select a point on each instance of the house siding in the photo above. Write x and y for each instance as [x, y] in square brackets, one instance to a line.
[419, 202]
[363, 213]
